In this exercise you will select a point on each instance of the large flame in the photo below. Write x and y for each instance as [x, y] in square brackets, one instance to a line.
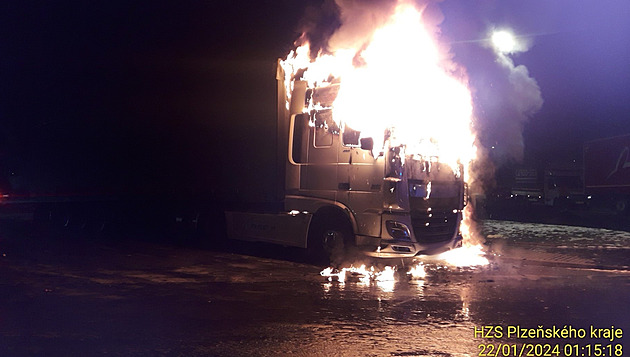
[400, 82]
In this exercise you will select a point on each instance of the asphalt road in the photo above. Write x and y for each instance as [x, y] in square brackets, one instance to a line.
[75, 295]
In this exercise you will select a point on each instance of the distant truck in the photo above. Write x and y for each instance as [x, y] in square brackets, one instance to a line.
[607, 172]
[340, 194]
[564, 185]
[528, 184]
[557, 185]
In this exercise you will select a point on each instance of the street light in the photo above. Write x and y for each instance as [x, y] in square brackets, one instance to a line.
[504, 42]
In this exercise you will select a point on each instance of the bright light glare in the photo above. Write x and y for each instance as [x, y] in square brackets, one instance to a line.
[503, 41]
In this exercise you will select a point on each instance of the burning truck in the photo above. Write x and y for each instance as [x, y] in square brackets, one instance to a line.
[373, 141]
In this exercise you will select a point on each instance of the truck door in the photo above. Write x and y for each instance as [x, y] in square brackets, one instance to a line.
[365, 191]
[315, 156]
[321, 171]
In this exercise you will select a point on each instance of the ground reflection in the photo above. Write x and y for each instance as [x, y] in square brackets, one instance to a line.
[441, 293]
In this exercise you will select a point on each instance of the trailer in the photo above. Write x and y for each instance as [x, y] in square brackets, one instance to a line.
[607, 173]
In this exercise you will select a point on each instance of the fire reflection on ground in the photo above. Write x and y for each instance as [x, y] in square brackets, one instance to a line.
[414, 277]
[466, 257]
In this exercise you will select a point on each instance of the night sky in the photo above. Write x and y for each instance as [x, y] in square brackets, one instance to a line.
[177, 98]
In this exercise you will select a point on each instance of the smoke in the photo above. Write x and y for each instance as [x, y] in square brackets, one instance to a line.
[317, 26]
[527, 98]
[506, 99]
[359, 20]
[522, 96]
[341, 24]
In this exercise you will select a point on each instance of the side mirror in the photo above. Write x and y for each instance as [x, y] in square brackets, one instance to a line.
[367, 144]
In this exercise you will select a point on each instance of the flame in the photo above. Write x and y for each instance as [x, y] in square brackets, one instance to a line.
[400, 82]
[387, 274]
[367, 275]
[361, 273]
[417, 272]
[466, 256]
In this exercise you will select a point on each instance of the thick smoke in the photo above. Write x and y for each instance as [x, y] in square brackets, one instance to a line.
[318, 25]
[507, 97]
[343, 23]
[359, 20]
[523, 99]
[339, 24]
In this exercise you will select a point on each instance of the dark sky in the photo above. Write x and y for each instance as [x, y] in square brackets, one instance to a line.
[155, 95]
[139, 96]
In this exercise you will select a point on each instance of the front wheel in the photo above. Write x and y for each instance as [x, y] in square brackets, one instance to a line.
[329, 241]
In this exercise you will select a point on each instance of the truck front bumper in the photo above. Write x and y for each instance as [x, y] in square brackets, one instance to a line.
[408, 249]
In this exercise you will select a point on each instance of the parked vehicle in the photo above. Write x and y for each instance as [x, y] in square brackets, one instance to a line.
[607, 172]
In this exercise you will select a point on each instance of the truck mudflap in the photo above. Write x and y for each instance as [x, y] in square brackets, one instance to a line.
[407, 249]
[289, 229]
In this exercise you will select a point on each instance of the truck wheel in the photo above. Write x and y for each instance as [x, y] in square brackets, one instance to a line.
[328, 241]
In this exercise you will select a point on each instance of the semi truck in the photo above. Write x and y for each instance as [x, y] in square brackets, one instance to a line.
[558, 185]
[291, 176]
[527, 184]
[340, 193]
[607, 173]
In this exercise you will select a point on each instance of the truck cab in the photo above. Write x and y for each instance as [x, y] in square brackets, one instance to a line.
[346, 193]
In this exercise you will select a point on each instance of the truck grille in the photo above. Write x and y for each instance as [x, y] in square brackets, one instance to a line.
[431, 227]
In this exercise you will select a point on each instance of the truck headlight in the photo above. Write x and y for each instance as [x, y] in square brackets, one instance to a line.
[398, 230]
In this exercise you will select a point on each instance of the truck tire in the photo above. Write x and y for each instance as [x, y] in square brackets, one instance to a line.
[330, 239]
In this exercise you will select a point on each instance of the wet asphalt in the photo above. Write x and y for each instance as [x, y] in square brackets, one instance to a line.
[81, 295]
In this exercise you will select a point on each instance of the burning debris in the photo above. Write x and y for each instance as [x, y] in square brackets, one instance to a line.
[361, 274]
[469, 256]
